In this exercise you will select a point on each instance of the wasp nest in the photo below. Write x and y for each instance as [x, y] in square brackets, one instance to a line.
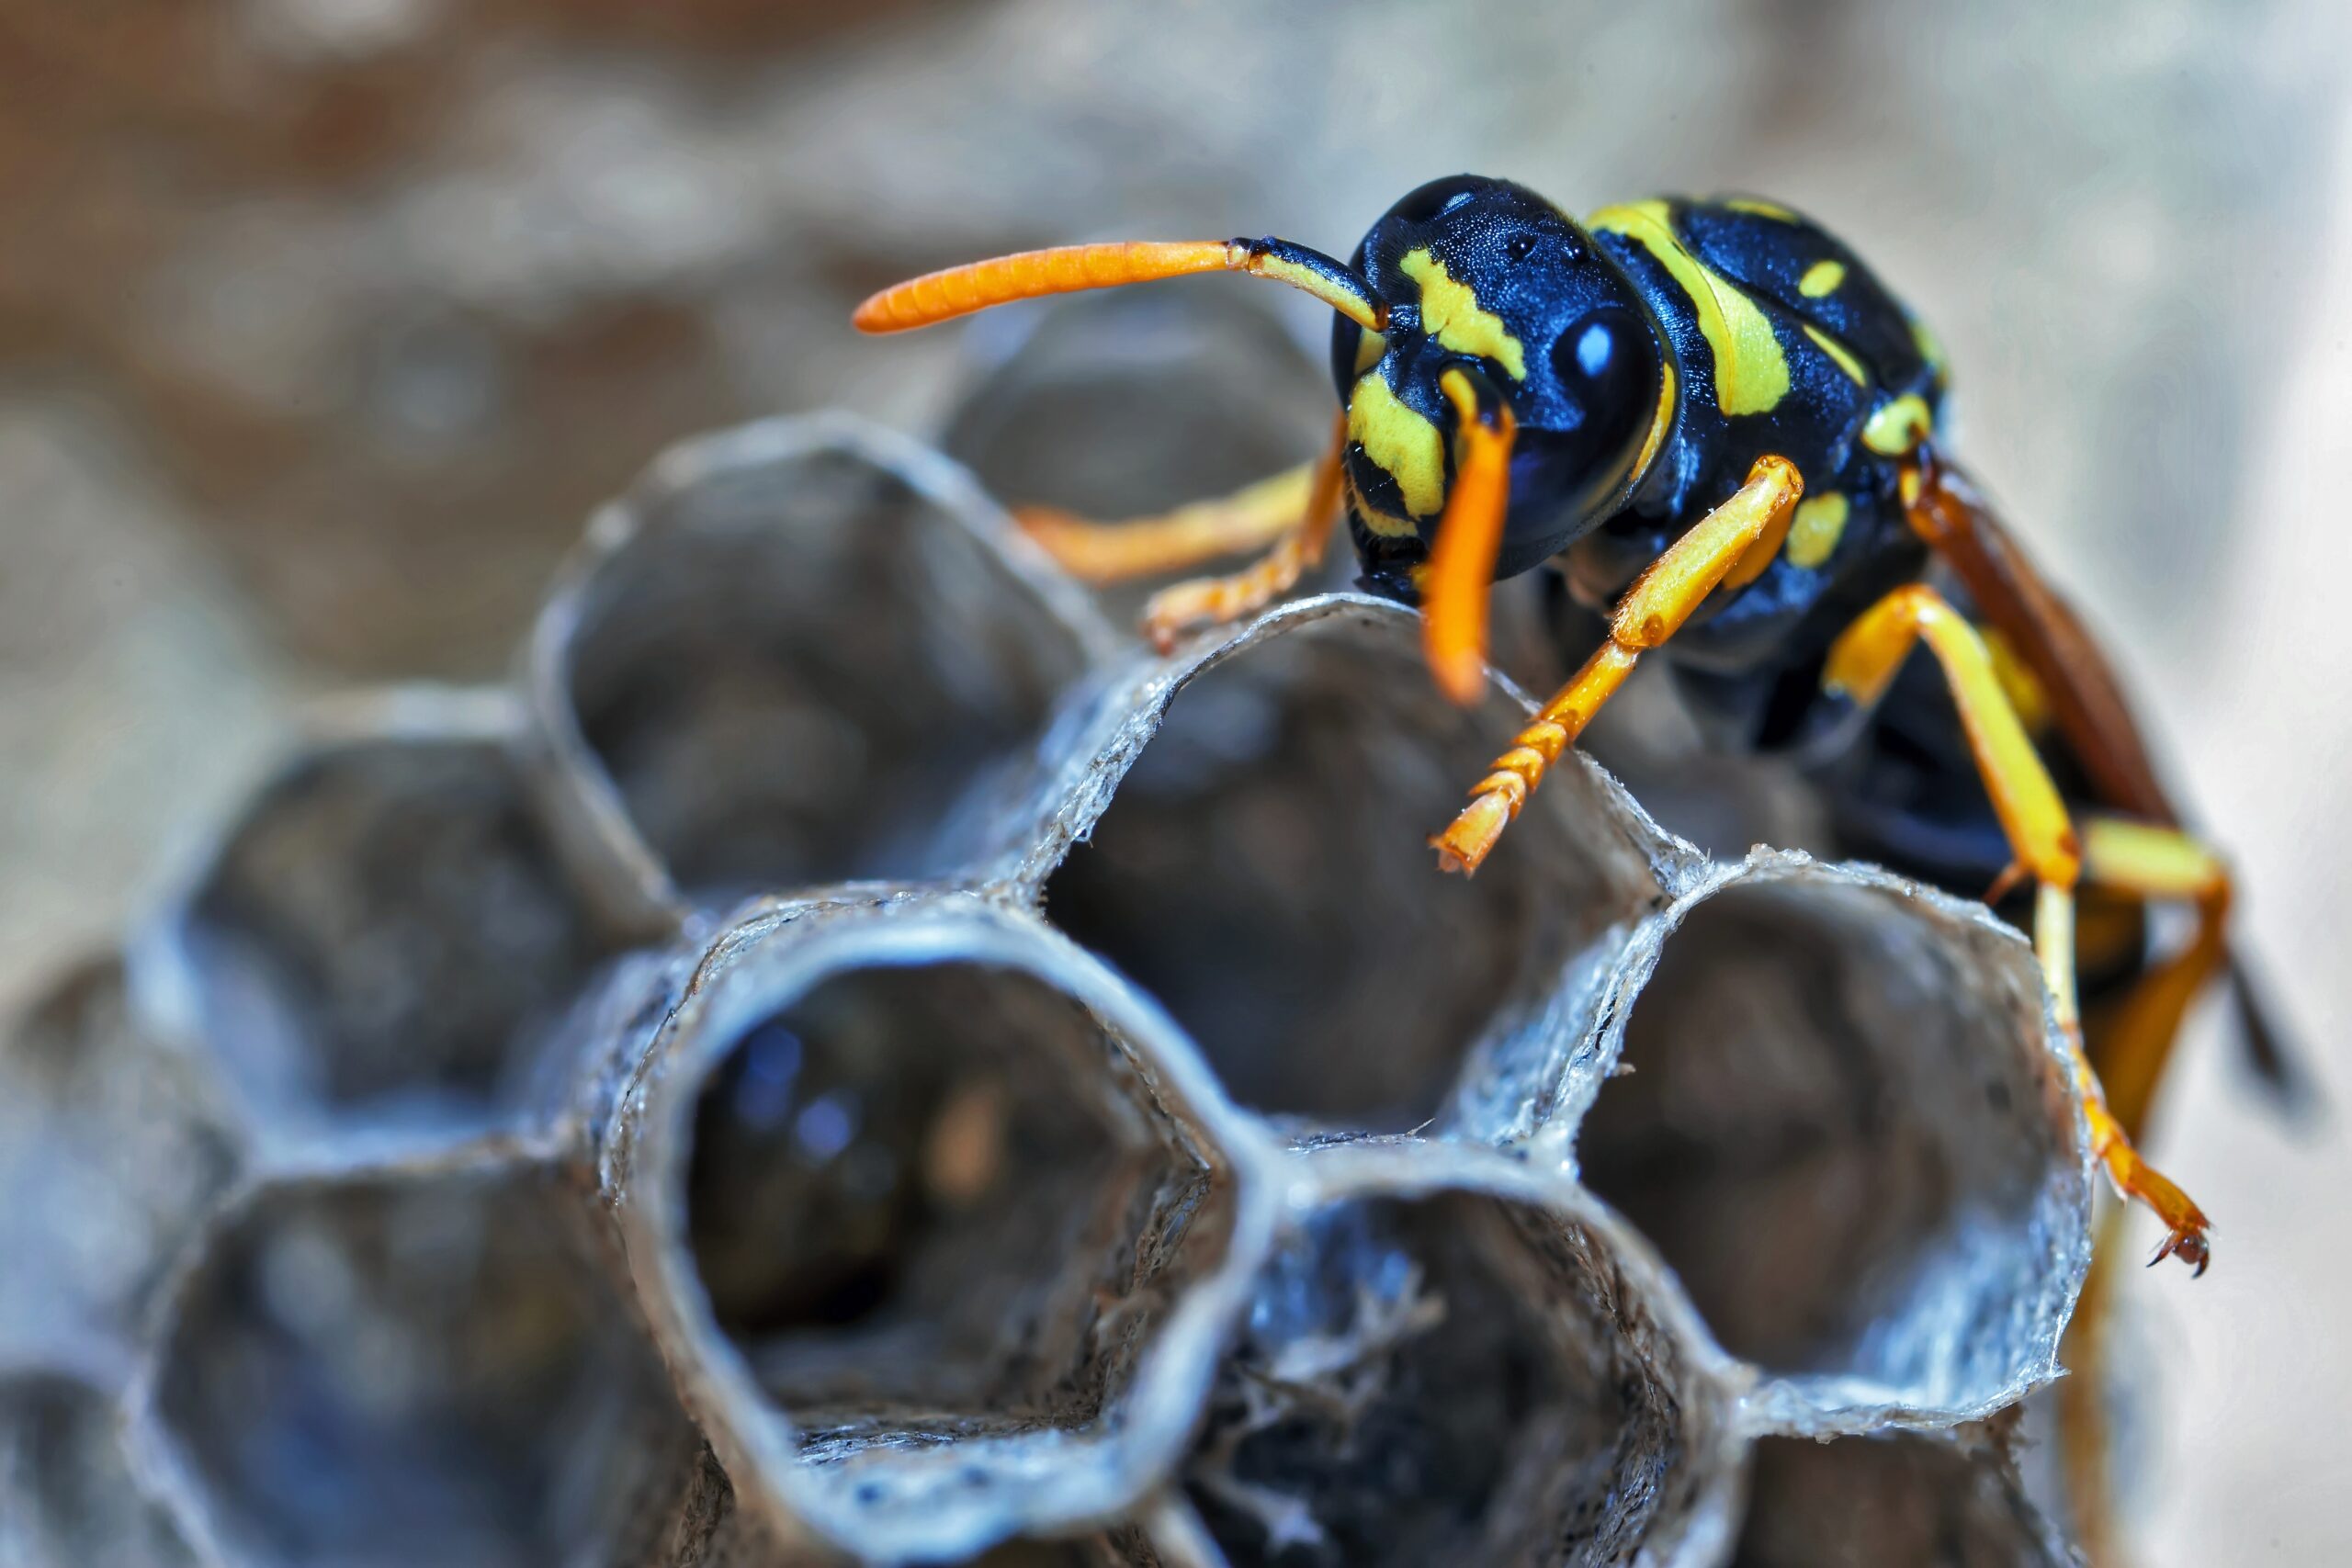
[848, 1058]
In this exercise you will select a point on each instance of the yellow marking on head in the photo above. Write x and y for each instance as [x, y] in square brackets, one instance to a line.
[1403, 443]
[1822, 277]
[1755, 208]
[1369, 348]
[1450, 313]
[1838, 352]
[1661, 421]
[1820, 524]
[1751, 372]
[1899, 426]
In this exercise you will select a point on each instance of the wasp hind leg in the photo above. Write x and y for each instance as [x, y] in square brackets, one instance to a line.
[1860, 665]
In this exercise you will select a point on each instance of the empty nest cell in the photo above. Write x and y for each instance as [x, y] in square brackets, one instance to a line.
[787, 656]
[1894, 1497]
[413, 1367]
[949, 1216]
[112, 1149]
[1459, 1374]
[385, 939]
[1840, 1120]
[1263, 870]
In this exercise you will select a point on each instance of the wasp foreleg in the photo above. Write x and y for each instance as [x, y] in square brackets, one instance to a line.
[1652, 611]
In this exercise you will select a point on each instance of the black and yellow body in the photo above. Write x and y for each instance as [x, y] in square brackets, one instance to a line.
[1721, 427]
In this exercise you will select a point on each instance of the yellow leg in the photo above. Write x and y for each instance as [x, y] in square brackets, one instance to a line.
[1860, 665]
[2135, 1037]
[2131, 1049]
[1250, 519]
[1213, 600]
[1652, 611]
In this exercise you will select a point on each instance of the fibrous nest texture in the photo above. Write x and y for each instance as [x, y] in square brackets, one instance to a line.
[847, 1058]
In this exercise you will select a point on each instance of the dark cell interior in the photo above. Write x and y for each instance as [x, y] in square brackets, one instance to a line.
[386, 1373]
[1820, 1124]
[932, 1200]
[388, 938]
[1438, 1380]
[1126, 403]
[794, 671]
[1287, 798]
[103, 1129]
[65, 1493]
[1861, 1502]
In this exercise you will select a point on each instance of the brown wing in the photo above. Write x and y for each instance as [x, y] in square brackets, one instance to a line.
[2085, 696]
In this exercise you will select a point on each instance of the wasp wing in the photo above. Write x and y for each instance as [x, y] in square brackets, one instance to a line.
[2086, 698]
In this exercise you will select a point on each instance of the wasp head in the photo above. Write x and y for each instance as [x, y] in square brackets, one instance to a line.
[1488, 277]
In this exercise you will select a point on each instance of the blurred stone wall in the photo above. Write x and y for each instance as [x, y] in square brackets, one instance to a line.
[322, 322]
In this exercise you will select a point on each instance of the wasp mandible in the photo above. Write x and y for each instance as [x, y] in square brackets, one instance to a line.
[1721, 427]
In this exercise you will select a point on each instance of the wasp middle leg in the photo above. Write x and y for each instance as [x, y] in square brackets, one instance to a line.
[2033, 818]
[1294, 509]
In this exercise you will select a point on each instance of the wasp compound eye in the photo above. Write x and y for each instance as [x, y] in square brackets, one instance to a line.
[1438, 197]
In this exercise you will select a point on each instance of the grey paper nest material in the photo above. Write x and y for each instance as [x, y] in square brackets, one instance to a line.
[525, 1146]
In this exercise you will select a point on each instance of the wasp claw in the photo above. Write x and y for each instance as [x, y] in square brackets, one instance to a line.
[2188, 1246]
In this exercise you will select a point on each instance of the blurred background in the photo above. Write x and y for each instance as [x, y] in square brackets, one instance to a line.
[324, 322]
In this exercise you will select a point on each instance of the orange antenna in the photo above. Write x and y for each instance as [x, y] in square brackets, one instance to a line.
[1065, 269]
[1461, 576]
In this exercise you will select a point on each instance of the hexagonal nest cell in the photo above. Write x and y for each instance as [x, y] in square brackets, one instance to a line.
[790, 654]
[912, 1192]
[113, 1148]
[406, 1367]
[387, 938]
[1460, 1375]
[937, 1185]
[66, 1496]
[1893, 1497]
[1287, 794]
[465, 1174]
[1842, 1122]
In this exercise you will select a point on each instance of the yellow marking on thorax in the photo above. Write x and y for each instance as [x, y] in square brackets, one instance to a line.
[1369, 348]
[1754, 208]
[1899, 426]
[1821, 278]
[1404, 444]
[1838, 352]
[1820, 524]
[1929, 348]
[1751, 372]
[1450, 313]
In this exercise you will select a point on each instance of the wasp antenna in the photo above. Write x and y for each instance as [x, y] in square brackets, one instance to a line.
[1065, 269]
